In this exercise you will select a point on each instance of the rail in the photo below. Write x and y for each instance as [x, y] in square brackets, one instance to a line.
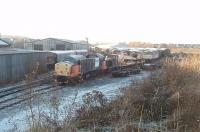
[13, 95]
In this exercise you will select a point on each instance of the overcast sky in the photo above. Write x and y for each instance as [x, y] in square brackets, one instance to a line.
[175, 21]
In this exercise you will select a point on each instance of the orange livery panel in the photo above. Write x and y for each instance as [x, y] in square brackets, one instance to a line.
[75, 71]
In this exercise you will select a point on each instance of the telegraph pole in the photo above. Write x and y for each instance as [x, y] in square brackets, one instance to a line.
[87, 40]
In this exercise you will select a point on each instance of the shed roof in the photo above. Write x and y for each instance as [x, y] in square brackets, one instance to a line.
[16, 51]
[3, 43]
[62, 51]
[67, 51]
[66, 40]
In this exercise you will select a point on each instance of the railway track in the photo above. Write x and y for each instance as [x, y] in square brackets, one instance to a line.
[26, 96]
[22, 87]
[14, 95]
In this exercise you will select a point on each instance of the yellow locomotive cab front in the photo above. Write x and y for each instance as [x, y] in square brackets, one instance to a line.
[66, 72]
[63, 69]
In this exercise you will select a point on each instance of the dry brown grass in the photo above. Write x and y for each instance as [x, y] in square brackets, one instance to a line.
[172, 95]
[185, 50]
[182, 77]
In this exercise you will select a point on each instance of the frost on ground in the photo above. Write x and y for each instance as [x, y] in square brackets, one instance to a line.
[15, 118]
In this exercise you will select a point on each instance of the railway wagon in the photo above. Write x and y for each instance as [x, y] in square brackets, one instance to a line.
[76, 68]
[150, 55]
[112, 61]
[59, 56]
[123, 61]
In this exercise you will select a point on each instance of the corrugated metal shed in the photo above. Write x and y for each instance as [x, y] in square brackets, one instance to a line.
[50, 44]
[16, 63]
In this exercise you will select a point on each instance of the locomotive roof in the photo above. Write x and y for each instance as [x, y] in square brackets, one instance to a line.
[74, 58]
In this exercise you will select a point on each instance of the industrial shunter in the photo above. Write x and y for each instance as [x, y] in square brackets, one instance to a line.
[76, 68]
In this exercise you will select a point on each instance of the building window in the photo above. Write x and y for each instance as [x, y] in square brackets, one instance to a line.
[38, 47]
[60, 47]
